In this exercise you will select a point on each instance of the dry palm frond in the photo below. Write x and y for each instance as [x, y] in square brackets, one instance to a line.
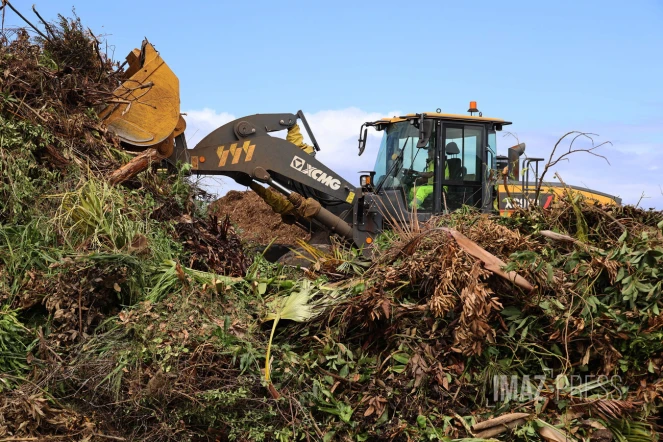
[611, 409]
[474, 330]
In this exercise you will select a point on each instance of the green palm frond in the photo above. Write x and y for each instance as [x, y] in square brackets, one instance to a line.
[294, 307]
[625, 430]
[305, 303]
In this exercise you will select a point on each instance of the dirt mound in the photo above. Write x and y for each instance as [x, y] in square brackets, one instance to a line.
[256, 222]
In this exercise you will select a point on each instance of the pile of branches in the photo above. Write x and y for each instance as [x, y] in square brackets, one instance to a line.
[76, 252]
[431, 341]
[131, 315]
[212, 245]
[589, 329]
[56, 80]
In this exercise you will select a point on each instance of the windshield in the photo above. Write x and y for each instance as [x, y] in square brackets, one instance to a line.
[398, 153]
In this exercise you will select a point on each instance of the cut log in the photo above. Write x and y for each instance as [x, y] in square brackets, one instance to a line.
[499, 429]
[142, 161]
[566, 238]
[500, 420]
[138, 164]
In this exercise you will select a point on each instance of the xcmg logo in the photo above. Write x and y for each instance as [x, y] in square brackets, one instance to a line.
[317, 174]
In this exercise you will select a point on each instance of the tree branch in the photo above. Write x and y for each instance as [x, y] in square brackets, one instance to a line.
[553, 161]
[6, 2]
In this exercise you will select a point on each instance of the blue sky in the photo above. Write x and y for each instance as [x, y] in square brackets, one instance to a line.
[552, 67]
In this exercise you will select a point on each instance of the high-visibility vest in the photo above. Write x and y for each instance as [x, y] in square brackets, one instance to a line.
[430, 167]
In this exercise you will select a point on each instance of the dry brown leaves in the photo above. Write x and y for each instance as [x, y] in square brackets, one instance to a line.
[477, 307]
[26, 415]
[213, 246]
[446, 278]
[495, 238]
[77, 298]
[376, 405]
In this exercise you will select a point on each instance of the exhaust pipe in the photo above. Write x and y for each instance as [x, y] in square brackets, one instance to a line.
[514, 154]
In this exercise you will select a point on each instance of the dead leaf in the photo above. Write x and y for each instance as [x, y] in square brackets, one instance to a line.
[386, 308]
[551, 434]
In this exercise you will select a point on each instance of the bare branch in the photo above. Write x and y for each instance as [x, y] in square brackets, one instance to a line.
[6, 2]
[554, 160]
[513, 135]
[44, 22]
[643, 196]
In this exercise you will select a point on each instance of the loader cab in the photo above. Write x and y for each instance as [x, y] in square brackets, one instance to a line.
[441, 175]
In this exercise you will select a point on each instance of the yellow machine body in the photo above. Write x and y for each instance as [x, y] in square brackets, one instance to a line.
[512, 196]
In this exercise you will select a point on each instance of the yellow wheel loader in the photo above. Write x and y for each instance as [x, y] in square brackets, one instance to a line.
[427, 163]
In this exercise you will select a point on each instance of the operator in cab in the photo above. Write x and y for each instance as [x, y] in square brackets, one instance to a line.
[424, 182]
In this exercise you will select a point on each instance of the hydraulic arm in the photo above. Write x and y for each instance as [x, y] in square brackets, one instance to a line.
[244, 151]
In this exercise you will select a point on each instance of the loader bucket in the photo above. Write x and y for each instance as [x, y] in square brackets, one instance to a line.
[145, 109]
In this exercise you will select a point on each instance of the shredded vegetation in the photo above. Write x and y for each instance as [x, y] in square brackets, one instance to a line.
[126, 313]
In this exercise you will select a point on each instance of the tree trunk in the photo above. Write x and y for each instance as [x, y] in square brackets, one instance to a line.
[143, 160]
[138, 164]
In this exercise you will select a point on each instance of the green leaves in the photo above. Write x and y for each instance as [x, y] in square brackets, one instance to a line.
[294, 307]
[401, 360]
[340, 409]
[24, 181]
[12, 346]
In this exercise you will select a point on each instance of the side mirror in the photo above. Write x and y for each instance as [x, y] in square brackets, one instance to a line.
[425, 132]
[362, 138]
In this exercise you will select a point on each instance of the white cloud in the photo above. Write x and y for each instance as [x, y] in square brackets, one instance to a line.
[200, 123]
[337, 133]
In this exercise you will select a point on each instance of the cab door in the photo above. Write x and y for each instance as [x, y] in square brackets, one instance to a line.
[462, 151]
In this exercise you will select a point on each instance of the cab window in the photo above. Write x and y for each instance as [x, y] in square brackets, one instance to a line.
[463, 152]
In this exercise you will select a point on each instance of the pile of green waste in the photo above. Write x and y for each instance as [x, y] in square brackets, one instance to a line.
[126, 313]
[74, 251]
